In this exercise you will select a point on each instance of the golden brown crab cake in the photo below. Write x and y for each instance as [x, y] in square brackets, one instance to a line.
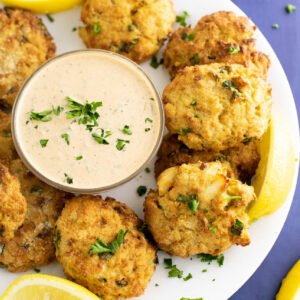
[134, 28]
[12, 205]
[125, 273]
[24, 45]
[33, 245]
[243, 159]
[217, 106]
[219, 37]
[198, 209]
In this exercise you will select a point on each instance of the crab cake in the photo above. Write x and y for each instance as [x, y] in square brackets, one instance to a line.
[12, 205]
[243, 159]
[219, 37]
[24, 45]
[87, 221]
[134, 28]
[216, 107]
[32, 245]
[198, 209]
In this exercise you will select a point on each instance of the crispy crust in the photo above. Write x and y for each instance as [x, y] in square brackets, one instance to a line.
[12, 205]
[24, 45]
[213, 35]
[125, 274]
[134, 28]
[217, 106]
[243, 159]
[179, 231]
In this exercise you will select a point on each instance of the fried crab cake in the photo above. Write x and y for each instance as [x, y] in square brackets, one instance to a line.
[33, 245]
[134, 28]
[24, 45]
[243, 159]
[123, 274]
[198, 209]
[12, 205]
[219, 37]
[216, 107]
[7, 149]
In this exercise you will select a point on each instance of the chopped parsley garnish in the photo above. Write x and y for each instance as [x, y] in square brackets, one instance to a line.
[185, 130]
[97, 28]
[36, 126]
[41, 116]
[147, 129]
[3, 266]
[275, 26]
[101, 139]
[36, 189]
[155, 63]
[290, 8]
[43, 143]
[247, 140]
[56, 239]
[228, 84]
[156, 284]
[74, 29]
[174, 271]
[209, 258]
[50, 18]
[141, 190]
[182, 19]
[131, 27]
[66, 137]
[148, 120]
[103, 280]
[232, 197]
[204, 270]
[79, 157]
[68, 179]
[188, 277]
[211, 220]
[234, 50]
[212, 228]
[37, 270]
[126, 130]
[194, 103]
[57, 110]
[147, 170]
[100, 247]
[195, 59]
[191, 200]
[121, 144]
[152, 99]
[237, 228]
[187, 37]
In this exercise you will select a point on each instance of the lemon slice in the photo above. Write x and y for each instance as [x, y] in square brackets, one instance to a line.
[290, 286]
[43, 6]
[40, 287]
[275, 172]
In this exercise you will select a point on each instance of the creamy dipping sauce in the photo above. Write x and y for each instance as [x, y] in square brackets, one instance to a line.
[87, 146]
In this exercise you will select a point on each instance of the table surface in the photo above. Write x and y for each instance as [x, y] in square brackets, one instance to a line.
[285, 40]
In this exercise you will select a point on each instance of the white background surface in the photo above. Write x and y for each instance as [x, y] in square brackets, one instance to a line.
[240, 263]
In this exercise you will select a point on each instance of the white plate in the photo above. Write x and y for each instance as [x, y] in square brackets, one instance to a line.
[240, 263]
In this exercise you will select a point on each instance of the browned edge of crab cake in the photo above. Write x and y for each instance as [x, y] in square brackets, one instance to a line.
[198, 209]
[12, 205]
[32, 245]
[221, 37]
[243, 159]
[25, 44]
[136, 29]
[123, 274]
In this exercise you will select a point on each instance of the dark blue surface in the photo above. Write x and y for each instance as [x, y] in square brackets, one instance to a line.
[285, 40]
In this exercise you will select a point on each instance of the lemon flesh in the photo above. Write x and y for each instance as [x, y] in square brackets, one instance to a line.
[275, 173]
[290, 287]
[43, 6]
[41, 287]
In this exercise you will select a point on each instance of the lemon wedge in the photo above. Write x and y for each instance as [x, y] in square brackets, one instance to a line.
[43, 6]
[290, 286]
[40, 287]
[275, 172]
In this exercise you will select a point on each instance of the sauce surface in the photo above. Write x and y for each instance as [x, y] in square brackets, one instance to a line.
[105, 88]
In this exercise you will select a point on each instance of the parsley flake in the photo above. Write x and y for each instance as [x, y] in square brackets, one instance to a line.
[188, 277]
[187, 37]
[43, 143]
[191, 200]
[182, 19]
[50, 18]
[66, 137]
[195, 59]
[237, 228]
[275, 26]
[212, 228]
[147, 170]
[79, 157]
[126, 130]
[41, 116]
[68, 179]
[209, 258]
[155, 63]
[97, 28]
[37, 270]
[234, 50]
[148, 120]
[290, 8]
[141, 190]
[121, 144]
[194, 103]
[174, 271]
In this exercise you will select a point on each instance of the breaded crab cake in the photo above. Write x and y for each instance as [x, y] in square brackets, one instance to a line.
[219, 37]
[134, 28]
[12, 205]
[198, 209]
[24, 45]
[89, 222]
[33, 245]
[217, 106]
[243, 159]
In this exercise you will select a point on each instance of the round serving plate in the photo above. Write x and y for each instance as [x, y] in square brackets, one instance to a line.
[240, 263]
